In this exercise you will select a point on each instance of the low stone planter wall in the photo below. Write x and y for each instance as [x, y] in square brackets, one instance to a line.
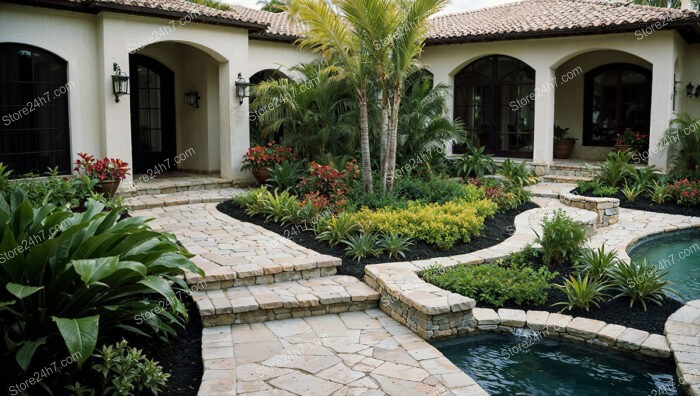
[683, 332]
[428, 310]
[607, 209]
[585, 330]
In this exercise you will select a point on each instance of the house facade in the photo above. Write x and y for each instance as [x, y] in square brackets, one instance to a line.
[515, 72]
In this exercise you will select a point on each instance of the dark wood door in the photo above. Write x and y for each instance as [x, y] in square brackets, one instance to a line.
[152, 114]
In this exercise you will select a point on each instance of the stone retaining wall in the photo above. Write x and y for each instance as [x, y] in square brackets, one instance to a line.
[683, 332]
[608, 209]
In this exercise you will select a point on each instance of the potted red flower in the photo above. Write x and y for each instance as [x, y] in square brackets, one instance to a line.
[259, 158]
[109, 171]
[631, 140]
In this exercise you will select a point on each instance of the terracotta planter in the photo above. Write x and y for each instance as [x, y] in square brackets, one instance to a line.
[563, 148]
[109, 187]
[261, 174]
[623, 147]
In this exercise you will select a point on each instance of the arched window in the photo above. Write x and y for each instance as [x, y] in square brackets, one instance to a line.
[617, 97]
[34, 133]
[493, 99]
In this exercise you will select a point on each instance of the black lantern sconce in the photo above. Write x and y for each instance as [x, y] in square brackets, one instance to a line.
[192, 98]
[120, 82]
[689, 90]
[241, 88]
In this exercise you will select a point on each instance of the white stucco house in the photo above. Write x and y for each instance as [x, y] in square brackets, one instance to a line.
[515, 72]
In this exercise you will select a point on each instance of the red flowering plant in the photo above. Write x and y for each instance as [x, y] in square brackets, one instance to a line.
[105, 169]
[326, 185]
[631, 138]
[686, 192]
[261, 157]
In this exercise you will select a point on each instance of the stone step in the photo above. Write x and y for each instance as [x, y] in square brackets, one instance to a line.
[549, 189]
[554, 178]
[295, 299]
[240, 271]
[186, 197]
[170, 185]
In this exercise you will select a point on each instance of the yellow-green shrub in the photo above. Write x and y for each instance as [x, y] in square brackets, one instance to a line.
[436, 224]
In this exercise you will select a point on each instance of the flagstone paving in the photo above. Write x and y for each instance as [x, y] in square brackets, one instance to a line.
[353, 353]
[186, 197]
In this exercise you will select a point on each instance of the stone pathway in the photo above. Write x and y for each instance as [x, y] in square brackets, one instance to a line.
[232, 252]
[187, 197]
[354, 353]
[549, 190]
[683, 332]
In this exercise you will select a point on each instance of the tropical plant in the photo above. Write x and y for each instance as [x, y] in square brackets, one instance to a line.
[475, 163]
[615, 169]
[658, 192]
[517, 173]
[635, 139]
[685, 192]
[631, 192]
[103, 170]
[68, 191]
[601, 191]
[395, 245]
[562, 238]
[362, 245]
[339, 228]
[646, 175]
[314, 111]
[275, 6]
[123, 370]
[286, 176]
[685, 130]
[261, 157]
[330, 185]
[582, 293]
[5, 174]
[640, 282]
[560, 133]
[281, 208]
[212, 4]
[596, 262]
[71, 280]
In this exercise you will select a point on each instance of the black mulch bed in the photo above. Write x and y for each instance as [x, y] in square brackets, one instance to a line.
[615, 311]
[644, 203]
[496, 229]
[181, 356]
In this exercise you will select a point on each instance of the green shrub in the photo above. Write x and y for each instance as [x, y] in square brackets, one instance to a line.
[286, 176]
[605, 191]
[338, 228]
[123, 370]
[475, 163]
[494, 284]
[585, 186]
[616, 169]
[254, 202]
[517, 173]
[645, 176]
[596, 263]
[504, 193]
[435, 190]
[684, 131]
[5, 180]
[436, 224]
[395, 245]
[582, 293]
[562, 238]
[640, 282]
[70, 280]
[361, 246]
[281, 208]
[59, 190]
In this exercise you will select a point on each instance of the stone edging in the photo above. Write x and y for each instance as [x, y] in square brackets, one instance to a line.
[578, 329]
[608, 209]
[683, 333]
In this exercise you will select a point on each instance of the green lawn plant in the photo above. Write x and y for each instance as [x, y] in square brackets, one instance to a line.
[582, 293]
[475, 163]
[70, 280]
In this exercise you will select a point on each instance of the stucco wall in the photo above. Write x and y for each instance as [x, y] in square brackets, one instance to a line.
[273, 55]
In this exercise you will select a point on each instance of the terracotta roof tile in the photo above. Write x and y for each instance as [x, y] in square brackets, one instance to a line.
[533, 17]
[279, 24]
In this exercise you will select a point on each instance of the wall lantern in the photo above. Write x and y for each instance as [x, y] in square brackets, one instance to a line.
[192, 98]
[689, 90]
[120, 82]
[241, 88]
[697, 90]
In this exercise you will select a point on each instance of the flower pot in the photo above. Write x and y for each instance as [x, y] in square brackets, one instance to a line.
[109, 187]
[623, 147]
[563, 148]
[261, 174]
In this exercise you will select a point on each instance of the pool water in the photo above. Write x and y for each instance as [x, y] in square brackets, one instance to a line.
[505, 364]
[677, 252]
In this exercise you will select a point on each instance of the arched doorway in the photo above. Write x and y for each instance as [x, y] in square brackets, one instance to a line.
[617, 97]
[152, 113]
[34, 132]
[492, 99]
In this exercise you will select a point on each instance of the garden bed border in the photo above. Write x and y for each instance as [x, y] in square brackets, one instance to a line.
[607, 209]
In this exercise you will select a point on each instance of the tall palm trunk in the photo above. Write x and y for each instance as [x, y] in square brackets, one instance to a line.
[393, 138]
[384, 141]
[367, 183]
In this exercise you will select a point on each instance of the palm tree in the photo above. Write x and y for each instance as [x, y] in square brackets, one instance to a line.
[328, 34]
[275, 6]
[667, 3]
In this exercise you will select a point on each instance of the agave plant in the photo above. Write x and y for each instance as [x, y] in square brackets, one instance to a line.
[582, 293]
[69, 280]
[640, 282]
[596, 263]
